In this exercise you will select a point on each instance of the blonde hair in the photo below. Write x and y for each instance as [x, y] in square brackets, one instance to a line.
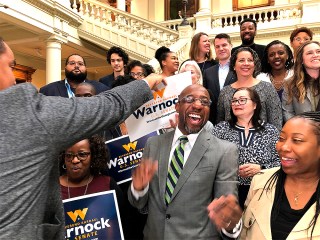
[192, 63]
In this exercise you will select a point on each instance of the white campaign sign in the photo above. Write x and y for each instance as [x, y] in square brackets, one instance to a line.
[156, 113]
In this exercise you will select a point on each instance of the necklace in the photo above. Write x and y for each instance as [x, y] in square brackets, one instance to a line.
[278, 84]
[85, 192]
[296, 195]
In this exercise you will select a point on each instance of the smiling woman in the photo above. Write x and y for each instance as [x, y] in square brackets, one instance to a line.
[301, 93]
[245, 64]
[284, 203]
[255, 139]
[81, 168]
[277, 64]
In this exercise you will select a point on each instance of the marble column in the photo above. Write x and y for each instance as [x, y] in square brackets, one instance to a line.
[53, 60]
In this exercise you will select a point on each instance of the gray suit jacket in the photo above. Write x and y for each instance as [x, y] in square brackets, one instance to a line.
[295, 107]
[210, 171]
[34, 129]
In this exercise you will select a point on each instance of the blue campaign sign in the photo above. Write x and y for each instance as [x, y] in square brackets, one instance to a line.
[125, 156]
[93, 217]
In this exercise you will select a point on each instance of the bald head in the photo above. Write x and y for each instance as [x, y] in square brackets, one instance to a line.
[193, 108]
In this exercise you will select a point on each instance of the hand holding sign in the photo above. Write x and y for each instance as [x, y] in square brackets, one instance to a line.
[143, 174]
[154, 79]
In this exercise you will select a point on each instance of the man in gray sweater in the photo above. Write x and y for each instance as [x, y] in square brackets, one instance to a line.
[33, 130]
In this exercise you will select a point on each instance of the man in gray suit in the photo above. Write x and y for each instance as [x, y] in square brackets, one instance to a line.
[219, 76]
[34, 129]
[209, 171]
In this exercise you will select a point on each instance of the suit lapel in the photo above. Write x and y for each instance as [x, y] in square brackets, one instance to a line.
[299, 230]
[200, 147]
[62, 89]
[165, 147]
[229, 79]
[262, 212]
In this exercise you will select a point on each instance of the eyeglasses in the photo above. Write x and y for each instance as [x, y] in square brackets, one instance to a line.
[191, 99]
[82, 156]
[298, 39]
[139, 74]
[240, 101]
[72, 63]
[84, 95]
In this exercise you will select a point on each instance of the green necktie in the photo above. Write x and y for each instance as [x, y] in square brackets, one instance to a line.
[175, 168]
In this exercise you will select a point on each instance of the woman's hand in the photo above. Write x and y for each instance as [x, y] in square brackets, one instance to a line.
[249, 170]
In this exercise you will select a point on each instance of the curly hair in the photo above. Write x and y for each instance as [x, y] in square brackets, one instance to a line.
[256, 60]
[131, 65]
[100, 156]
[299, 30]
[279, 177]
[194, 48]
[297, 86]
[266, 67]
[256, 121]
[249, 20]
[118, 51]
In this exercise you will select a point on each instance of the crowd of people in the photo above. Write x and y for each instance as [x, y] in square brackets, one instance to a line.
[242, 159]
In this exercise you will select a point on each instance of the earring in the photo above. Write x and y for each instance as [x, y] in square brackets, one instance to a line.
[64, 166]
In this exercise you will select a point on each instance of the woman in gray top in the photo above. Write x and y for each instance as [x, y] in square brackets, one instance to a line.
[246, 65]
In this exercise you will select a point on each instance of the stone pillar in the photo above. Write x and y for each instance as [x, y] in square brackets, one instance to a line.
[121, 5]
[205, 6]
[310, 10]
[203, 17]
[53, 60]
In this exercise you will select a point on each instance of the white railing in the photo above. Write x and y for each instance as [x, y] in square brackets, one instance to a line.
[261, 15]
[119, 27]
[174, 24]
[279, 13]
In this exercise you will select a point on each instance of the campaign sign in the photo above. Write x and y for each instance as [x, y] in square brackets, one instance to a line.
[156, 113]
[125, 156]
[93, 217]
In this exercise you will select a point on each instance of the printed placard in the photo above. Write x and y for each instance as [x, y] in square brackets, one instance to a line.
[156, 113]
[125, 155]
[93, 217]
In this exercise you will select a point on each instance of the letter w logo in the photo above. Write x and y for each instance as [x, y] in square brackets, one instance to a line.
[158, 93]
[76, 213]
[132, 145]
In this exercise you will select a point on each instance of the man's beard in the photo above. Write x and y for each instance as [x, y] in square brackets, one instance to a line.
[78, 78]
[247, 41]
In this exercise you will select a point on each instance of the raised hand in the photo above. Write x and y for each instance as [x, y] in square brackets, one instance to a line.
[143, 174]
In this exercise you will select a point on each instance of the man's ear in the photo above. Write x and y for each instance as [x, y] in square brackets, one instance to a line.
[177, 107]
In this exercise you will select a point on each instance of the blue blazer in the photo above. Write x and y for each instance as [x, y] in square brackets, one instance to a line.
[59, 88]
[107, 80]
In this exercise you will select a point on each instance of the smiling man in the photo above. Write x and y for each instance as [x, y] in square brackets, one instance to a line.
[193, 168]
[248, 31]
[219, 76]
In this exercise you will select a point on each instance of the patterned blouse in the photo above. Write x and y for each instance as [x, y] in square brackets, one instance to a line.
[258, 147]
[271, 111]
